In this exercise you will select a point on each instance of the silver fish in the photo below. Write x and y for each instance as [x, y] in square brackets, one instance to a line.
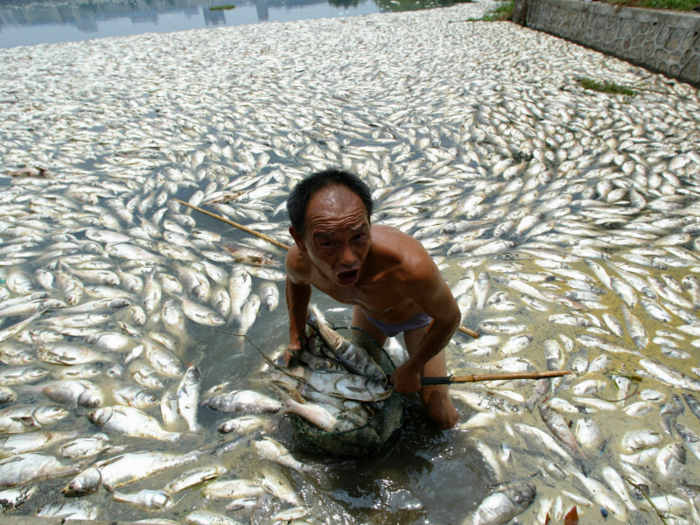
[131, 422]
[486, 402]
[87, 447]
[78, 392]
[188, 397]
[271, 450]
[70, 511]
[239, 288]
[352, 357]
[24, 468]
[151, 292]
[481, 289]
[193, 477]
[32, 441]
[269, 295]
[205, 517]
[669, 375]
[125, 469]
[146, 499]
[233, 489]
[199, 314]
[635, 329]
[505, 504]
[558, 426]
[160, 358]
[245, 425]
[690, 438]
[249, 312]
[136, 396]
[243, 401]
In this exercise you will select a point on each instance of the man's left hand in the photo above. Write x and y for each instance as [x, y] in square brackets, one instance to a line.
[405, 379]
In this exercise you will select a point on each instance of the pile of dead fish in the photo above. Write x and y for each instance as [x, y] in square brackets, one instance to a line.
[63, 351]
[339, 384]
[566, 223]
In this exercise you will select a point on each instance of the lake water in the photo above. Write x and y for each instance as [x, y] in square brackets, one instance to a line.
[32, 23]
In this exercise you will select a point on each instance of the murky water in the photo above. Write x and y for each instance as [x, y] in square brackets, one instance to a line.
[420, 478]
[461, 150]
[26, 23]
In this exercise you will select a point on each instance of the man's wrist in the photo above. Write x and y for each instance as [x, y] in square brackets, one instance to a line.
[412, 366]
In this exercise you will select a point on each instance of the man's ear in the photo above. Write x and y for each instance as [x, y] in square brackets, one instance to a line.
[298, 239]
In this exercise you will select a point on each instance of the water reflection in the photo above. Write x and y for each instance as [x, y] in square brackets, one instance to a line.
[414, 5]
[86, 15]
[30, 22]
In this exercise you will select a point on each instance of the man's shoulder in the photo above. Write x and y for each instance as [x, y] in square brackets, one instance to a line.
[297, 264]
[412, 259]
[383, 233]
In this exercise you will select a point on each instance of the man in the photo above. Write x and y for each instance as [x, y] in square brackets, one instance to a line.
[387, 275]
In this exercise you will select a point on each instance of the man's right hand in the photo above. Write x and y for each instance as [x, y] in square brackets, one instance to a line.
[291, 351]
[295, 347]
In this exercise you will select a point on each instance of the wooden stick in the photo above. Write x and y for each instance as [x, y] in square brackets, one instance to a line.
[469, 332]
[235, 224]
[492, 377]
[264, 237]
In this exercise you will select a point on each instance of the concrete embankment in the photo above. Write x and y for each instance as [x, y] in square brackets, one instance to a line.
[662, 41]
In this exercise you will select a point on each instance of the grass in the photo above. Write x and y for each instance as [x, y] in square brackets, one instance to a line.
[502, 13]
[674, 5]
[605, 87]
[224, 7]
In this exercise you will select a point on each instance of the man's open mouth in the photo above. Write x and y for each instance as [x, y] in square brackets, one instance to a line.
[348, 277]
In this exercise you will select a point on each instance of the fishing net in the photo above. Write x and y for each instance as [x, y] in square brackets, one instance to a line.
[362, 441]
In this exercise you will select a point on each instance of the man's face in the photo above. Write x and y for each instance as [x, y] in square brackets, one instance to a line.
[337, 235]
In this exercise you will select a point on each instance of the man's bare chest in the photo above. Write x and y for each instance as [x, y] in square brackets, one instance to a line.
[376, 296]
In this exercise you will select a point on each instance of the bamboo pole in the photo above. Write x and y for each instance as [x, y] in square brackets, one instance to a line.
[492, 377]
[469, 331]
[463, 329]
[235, 224]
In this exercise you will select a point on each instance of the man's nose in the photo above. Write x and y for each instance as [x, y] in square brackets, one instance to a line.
[347, 257]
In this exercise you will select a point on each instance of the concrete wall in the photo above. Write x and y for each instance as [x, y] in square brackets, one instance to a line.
[666, 42]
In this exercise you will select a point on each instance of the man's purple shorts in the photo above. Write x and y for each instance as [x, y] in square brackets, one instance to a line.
[392, 329]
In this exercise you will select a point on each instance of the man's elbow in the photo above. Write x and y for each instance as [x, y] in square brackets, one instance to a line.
[451, 318]
[456, 318]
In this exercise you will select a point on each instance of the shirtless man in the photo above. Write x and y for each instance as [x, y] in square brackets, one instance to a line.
[387, 275]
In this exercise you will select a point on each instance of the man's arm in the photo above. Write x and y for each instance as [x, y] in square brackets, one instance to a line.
[429, 290]
[298, 295]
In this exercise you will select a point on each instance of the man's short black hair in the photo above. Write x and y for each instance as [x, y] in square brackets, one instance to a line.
[301, 194]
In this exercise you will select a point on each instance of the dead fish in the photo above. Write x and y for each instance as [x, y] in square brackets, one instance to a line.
[636, 329]
[504, 504]
[558, 426]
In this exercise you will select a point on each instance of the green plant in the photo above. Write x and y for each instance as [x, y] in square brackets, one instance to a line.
[605, 87]
[224, 7]
[502, 13]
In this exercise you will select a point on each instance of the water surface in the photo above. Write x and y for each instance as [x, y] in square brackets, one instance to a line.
[31, 23]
